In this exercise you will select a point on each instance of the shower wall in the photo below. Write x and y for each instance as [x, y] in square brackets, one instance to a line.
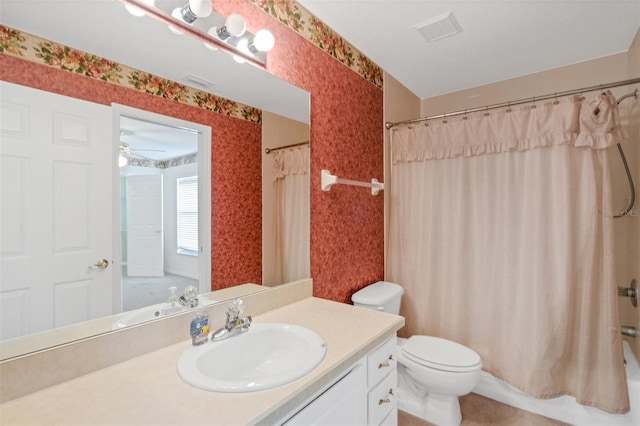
[399, 104]
[622, 66]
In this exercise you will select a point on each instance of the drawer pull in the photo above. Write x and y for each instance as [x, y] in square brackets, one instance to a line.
[386, 400]
[385, 364]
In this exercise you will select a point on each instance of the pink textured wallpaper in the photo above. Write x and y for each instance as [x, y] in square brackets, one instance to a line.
[236, 153]
[347, 134]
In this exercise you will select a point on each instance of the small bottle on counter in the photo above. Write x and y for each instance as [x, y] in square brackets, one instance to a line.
[200, 327]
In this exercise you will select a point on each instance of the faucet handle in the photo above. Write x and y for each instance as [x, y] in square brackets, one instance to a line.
[235, 308]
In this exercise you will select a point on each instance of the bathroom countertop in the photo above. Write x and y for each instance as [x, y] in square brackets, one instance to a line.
[148, 391]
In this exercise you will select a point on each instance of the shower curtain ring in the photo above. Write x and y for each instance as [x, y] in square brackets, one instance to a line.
[509, 106]
[464, 117]
[444, 116]
[486, 111]
[556, 102]
[533, 106]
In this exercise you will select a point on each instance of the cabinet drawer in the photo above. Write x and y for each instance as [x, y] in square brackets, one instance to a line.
[382, 399]
[343, 403]
[381, 361]
[391, 419]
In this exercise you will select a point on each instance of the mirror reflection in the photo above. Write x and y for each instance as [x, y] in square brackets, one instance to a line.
[159, 235]
[143, 249]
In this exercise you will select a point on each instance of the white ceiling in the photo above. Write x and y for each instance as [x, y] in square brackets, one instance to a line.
[156, 141]
[500, 39]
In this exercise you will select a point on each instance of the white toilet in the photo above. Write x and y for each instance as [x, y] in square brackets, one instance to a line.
[432, 372]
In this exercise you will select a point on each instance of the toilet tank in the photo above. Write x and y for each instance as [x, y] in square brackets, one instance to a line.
[382, 296]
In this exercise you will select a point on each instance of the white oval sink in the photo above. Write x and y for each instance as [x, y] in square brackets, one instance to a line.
[266, 356]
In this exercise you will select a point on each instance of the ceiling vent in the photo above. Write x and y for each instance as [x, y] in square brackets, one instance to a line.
[192, 79]
[441, 26]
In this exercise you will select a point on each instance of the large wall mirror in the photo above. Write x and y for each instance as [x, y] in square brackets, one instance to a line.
[164, 157]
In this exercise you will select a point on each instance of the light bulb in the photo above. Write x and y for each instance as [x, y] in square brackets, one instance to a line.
[136, 11]
[122, 161]
[243, 47]
[193, 10]
[263, 41]
[201, 8]
[177, 14]
[212, 33]
[233, 27]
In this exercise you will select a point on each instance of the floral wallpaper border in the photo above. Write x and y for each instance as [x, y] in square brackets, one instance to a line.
[35, 49]
[296, 17]
[162, 164]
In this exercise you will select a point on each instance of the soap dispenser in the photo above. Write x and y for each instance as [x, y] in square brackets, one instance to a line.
[173, 298]
[172, 305]
[199, 329]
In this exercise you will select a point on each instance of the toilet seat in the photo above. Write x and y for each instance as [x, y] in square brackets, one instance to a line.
[441, 354]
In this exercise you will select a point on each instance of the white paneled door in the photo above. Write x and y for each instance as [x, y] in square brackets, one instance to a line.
[145, 249]
[56, 210]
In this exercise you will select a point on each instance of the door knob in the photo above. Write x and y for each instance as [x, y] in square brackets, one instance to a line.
[101, 264]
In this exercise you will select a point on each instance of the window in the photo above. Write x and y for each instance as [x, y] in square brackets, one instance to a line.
[188, 215]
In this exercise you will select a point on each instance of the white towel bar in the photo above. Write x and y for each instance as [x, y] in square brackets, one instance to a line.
[328, 180]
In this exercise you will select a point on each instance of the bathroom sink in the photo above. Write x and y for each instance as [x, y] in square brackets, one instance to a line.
[149, 313]
[266, 356]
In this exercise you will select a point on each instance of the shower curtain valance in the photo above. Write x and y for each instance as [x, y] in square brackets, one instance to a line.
[291, 227]
[570, 121]
[291, 161]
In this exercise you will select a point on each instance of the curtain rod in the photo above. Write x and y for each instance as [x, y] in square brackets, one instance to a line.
[268, 150]
[389, 125]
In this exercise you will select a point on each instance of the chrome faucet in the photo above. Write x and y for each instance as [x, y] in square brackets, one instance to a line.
[235, 324]
[189, 298]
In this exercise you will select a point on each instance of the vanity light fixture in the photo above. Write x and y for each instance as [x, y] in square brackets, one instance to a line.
[262, 42]
[234, 26]
[122, 161]
[190, 12]
[239, 59]
[211, 33]
[232, 37]
[243, 46]
[193, 10]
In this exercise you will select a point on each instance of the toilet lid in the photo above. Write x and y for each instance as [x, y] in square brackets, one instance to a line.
[441, 353]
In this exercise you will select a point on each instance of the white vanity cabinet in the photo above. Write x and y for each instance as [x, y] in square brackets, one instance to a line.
[364, 395]
[341, 404]
[382, 382]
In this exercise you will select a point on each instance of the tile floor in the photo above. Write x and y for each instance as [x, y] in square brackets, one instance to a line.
[478, 410]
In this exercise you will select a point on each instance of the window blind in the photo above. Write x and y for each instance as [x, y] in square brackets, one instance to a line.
[188, 214]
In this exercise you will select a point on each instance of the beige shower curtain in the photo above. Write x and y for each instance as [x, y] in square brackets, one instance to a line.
[291, 256]
[501, 234]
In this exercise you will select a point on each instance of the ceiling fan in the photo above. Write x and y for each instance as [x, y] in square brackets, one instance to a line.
[126, 151]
